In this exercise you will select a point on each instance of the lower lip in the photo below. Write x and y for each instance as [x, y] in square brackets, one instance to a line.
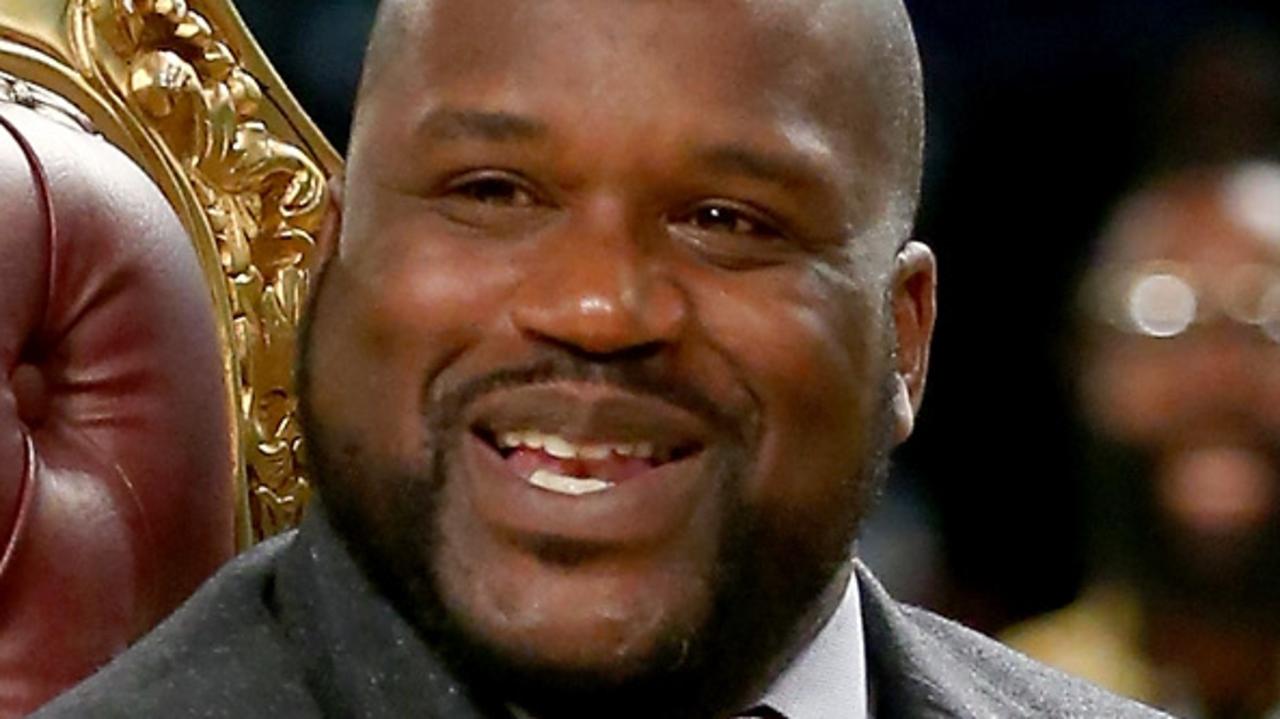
[645, 509]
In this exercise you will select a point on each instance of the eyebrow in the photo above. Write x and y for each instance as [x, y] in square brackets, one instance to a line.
[768, 167]
[453, 124]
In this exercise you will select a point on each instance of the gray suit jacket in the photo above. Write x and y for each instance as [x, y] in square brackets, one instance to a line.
[294, 629]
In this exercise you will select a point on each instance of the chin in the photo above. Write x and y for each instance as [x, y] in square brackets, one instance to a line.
[577, 647]
[594, 649]
[572, 611]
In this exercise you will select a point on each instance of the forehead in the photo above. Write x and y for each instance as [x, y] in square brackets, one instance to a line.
[740, 38]
[1221, 221]
[652, 63]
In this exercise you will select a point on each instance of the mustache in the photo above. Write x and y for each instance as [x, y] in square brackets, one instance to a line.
[444, 406]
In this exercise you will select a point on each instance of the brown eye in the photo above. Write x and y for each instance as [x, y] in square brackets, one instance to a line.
[492, 201]
[721, 218]
[734, 235]
[496, 191]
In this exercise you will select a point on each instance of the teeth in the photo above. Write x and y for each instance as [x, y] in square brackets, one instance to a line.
[561, 448]
[571, 486]
[642, 450]
[595, 451]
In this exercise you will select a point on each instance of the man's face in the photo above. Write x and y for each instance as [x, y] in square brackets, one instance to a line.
[1202, 406]
[606, 352]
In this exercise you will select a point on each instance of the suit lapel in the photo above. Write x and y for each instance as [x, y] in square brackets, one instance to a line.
[910, 675]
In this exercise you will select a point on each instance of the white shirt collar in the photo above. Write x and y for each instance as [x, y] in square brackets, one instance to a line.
[828, 678]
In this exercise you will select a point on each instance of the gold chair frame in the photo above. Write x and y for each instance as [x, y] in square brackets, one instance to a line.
[182, 88]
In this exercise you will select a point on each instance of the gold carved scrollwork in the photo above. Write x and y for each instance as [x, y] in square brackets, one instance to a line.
[264, 199]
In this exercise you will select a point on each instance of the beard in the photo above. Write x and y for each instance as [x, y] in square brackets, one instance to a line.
[1141, 543]
[766, 582]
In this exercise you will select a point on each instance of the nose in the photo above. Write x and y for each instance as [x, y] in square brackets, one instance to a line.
[1222, 362]
[1223, 369]
[596, 287]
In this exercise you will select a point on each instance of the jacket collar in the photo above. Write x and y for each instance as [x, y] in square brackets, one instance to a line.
[912, 673]
[363, 658]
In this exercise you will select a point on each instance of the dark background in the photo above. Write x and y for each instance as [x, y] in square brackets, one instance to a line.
[1042, 113]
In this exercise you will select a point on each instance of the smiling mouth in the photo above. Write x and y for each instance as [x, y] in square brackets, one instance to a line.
[573, 468]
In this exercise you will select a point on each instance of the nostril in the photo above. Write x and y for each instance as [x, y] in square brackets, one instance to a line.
[32, 394]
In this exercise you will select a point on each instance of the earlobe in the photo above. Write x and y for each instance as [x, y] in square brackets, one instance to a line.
[904, 411]
[914, 308]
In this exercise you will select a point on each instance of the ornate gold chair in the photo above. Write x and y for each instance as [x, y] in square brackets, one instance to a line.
[159, 193]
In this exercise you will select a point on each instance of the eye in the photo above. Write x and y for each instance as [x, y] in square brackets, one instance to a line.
[734, 235]
[724, 218]
[493, 190]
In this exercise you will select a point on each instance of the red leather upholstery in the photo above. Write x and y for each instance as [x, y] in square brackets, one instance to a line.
[115, 476]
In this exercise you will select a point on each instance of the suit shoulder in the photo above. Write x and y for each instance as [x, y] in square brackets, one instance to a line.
[1005, 678]
[924, 665]
[222, 654]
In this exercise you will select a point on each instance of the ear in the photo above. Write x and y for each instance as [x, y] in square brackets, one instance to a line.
[330, 233]
[914, 305]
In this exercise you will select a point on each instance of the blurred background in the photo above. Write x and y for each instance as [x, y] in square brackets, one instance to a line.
[1043, 115]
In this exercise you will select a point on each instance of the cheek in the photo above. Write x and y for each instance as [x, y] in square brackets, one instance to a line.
[1129, 395]
[809, 353]
[1267, 399]
[1140, 392]
[385, 333]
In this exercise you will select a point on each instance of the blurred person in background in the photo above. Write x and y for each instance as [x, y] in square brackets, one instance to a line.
[1180, 384]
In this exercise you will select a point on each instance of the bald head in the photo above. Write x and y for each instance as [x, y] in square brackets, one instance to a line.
[869, 44]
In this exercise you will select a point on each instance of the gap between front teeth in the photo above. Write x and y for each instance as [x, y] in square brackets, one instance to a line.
[570, 486]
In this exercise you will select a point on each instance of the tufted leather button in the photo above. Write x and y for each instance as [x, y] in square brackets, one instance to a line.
[31, 394]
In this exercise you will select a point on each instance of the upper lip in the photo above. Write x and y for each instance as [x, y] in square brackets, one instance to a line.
[590, 413]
